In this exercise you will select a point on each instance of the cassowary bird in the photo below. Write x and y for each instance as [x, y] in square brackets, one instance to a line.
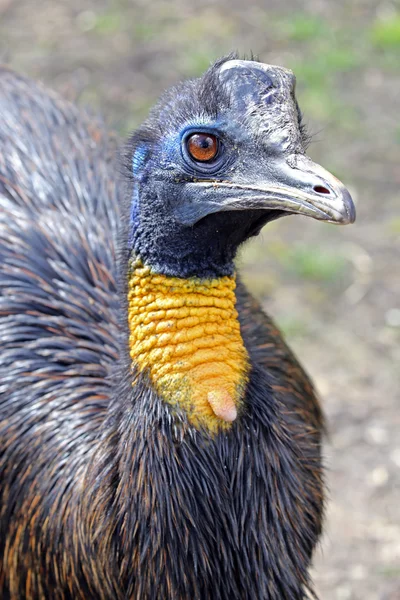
[158, 440]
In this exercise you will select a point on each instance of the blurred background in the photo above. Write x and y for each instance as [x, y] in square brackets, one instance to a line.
[334, 291]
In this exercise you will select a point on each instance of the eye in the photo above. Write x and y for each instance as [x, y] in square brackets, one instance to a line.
[202, 147]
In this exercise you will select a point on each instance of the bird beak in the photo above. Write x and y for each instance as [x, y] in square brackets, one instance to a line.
[294, 185]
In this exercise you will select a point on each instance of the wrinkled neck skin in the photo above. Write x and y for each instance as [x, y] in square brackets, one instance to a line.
[185, 336]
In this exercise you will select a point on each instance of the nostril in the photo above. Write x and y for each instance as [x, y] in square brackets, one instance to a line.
[320, 189]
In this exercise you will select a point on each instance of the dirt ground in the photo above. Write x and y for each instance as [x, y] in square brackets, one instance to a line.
[334, 291]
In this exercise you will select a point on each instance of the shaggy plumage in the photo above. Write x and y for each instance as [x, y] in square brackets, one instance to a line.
[104, 492]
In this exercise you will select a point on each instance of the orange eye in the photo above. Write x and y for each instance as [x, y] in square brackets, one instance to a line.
[202, 146]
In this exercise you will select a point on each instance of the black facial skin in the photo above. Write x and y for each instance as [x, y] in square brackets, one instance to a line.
[189, 217]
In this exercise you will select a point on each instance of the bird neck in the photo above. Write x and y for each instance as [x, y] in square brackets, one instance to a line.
[185, 335]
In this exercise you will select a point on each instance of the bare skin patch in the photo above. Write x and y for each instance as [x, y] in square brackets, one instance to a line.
[185, 333]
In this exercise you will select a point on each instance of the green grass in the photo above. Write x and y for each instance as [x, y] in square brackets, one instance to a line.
[385, 33]
[315, 264]
[393, 226]
[195, 62]
[318, 72]
[309, 262]
[144, 32]
[340, 59]
[319, 102]
[389, 571]
[210, 25]
[202, 39]
[108, 23]
[317, 79]
[301, 27]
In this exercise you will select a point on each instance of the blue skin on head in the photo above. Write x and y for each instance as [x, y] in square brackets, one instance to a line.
[169, 156]
[172, 228]
[162, 172]
[138, 161]
[189, 216]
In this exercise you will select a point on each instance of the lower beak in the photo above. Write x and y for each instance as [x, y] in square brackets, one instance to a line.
[296, 185]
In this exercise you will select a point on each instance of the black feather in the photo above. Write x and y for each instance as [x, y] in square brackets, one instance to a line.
[103, 493]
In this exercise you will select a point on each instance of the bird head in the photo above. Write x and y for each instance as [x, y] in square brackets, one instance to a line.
[218, 158]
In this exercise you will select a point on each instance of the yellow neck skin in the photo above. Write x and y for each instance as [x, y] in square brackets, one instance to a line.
[185, 334]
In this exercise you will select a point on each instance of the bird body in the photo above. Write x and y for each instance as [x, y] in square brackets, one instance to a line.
[158, 439]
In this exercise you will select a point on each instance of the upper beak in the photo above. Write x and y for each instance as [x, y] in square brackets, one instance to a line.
[294, 185]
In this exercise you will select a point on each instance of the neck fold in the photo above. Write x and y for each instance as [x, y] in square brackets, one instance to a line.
[185, 334]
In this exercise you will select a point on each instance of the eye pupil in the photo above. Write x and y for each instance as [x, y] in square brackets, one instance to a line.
[202, 147]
